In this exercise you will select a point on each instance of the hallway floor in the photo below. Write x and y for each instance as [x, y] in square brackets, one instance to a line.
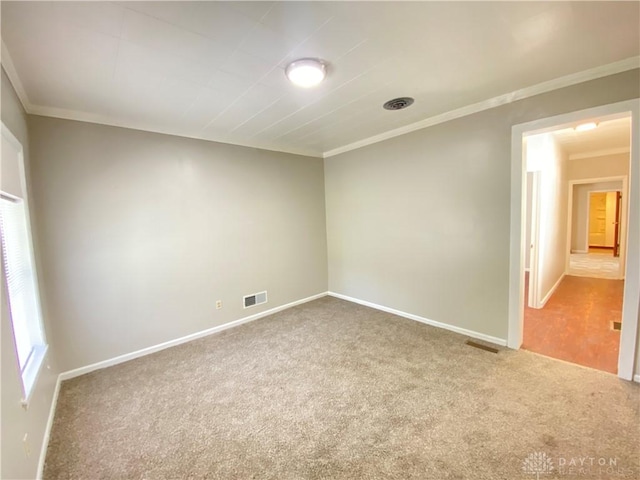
[576, 323]
[600, 264]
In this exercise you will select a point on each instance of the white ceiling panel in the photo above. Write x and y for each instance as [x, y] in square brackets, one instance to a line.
[267, 44]
[148, 65]
[332, 40]
[229, 84]
[283, 107]
[215, 70]
[164, 37]
[255, 10]
[208, 104]
[257, 98]
[104, 17]
[219, 21]
[246, 66]
[297, 20]
[171, 12]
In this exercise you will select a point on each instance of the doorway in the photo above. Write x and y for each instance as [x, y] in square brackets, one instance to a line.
[597, 228]
[575, 296]
[602, 214]
[630, 264]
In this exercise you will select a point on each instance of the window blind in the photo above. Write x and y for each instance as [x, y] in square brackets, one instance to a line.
[21, 280]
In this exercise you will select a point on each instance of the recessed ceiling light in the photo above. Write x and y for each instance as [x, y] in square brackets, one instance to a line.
[306, 72]
[583, 127]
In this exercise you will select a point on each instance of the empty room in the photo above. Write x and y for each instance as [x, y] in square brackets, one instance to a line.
[292, 240]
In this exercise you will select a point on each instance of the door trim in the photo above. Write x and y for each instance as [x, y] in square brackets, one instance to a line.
[629, 334]
[534, 255]
[617, 232]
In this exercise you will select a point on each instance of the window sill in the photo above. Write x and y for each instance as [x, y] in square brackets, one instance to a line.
[32, 372]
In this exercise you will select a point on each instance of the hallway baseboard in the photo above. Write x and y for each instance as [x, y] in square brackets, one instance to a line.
[553, 289]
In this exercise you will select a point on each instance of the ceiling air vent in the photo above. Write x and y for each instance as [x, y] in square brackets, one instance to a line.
[254, 299]
[398, 103]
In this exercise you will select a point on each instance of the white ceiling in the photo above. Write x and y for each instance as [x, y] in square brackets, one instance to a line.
[610, 136]
[214, 70]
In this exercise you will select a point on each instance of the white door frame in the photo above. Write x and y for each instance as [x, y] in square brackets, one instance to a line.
[624, 216]
[534, 258]
[629, 334]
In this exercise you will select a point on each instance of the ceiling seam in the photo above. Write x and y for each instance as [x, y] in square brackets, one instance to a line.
[276, 68]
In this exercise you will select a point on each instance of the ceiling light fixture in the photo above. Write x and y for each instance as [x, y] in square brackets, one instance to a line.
[583, 127]
[306, 72]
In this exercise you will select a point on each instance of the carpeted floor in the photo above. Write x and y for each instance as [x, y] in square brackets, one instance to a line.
[597, 264]
[334, 390]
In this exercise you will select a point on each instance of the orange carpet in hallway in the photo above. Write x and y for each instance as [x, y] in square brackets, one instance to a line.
[575, 324]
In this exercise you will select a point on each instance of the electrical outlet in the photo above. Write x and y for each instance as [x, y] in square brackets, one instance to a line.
[218, 304]
[26, 446]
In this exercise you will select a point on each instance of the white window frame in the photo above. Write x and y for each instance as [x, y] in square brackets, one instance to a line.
[33, 366]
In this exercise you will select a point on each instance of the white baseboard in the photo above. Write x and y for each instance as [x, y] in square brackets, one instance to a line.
[178, 341]
[579, 251]
[636, 378]
[433, 323]
[550, 292]
[47, 429]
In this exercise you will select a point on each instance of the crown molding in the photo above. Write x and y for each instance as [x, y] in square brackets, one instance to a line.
[544, 87]
[75, 115]
[599, 153]
[10, 69]
[144, 127]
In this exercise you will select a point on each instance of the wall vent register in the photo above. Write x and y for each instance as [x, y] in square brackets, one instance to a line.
[254, 299]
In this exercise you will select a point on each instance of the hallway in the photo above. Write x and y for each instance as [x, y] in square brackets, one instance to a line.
[599, 264]
[576, 323]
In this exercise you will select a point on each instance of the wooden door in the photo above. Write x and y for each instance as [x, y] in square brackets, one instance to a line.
[597, 219]
[616, 233]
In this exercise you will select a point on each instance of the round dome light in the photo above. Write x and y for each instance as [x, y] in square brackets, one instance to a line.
[306, 72]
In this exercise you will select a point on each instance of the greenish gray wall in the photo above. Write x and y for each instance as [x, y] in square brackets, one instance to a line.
[420, 223]
[16, 420]
[599, 167]
[146, 231]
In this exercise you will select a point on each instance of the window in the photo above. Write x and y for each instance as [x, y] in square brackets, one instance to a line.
[18, 267]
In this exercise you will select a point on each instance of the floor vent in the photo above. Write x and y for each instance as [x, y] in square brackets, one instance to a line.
[616, 325]
[254, 299]
[482, 347]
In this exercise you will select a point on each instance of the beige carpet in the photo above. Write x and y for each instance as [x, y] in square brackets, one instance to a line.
[334, 390]
[595, 265]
